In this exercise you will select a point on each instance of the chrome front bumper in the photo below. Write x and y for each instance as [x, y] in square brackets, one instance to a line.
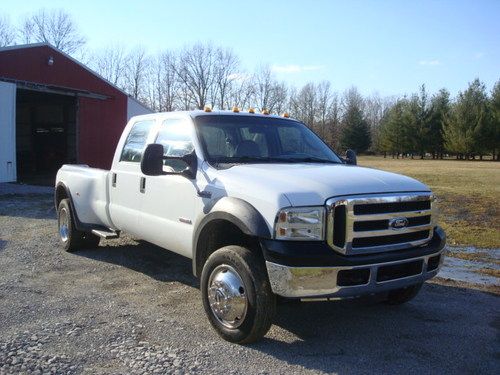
[313, 282]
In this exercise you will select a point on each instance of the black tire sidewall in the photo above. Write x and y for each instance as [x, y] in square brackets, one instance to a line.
[72, 243]
[232, 256]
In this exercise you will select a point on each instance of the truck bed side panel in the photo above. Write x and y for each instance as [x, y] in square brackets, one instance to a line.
[89, 188]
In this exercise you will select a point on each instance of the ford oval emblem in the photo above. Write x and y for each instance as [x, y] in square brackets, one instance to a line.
[398, 223]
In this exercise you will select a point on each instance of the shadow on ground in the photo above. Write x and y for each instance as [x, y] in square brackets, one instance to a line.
[440, 331]
[151, 260]
[445, 329]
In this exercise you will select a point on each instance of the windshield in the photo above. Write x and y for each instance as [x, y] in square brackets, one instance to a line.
[248, 139]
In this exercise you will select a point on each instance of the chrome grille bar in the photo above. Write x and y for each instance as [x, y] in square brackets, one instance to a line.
[393, 206]
[389, 215]
[390, 232]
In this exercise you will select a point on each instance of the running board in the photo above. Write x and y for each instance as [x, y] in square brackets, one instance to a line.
[106, 234]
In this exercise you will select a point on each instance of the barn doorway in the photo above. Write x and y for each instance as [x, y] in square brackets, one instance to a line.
[45, 135]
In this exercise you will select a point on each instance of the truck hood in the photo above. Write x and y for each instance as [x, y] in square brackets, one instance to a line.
[312, 184]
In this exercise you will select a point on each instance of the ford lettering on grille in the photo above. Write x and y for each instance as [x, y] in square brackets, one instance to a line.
[398, 223]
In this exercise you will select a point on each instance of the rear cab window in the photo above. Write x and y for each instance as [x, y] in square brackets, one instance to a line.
[136, 141]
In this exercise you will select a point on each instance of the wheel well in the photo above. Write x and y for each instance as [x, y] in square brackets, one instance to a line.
[61, 194]
[217, 234]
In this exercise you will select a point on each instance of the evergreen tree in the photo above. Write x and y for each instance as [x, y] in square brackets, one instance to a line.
[355, 129]
[467, 128]
[390, 133]
[439, 109]
[495, 121]
[420, 124]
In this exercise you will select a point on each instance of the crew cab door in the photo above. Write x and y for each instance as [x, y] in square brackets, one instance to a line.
[127, 182]
[168, 209]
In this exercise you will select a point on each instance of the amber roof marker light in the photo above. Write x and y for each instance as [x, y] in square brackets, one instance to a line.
[265, 111]
[236, 109]
[207, 108]
[251, 110]
[286, 115]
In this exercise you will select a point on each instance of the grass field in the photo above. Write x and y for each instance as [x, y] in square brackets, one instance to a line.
[468, 195]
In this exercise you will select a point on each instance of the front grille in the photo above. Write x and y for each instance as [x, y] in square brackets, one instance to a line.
[376, 223]
[361, 226]
[389, 240]
[379, 208]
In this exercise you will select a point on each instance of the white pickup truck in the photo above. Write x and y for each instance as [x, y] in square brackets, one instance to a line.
[263, 208]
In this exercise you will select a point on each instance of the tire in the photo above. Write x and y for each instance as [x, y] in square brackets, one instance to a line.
[72, 239]
[240, 274]
[403, 295]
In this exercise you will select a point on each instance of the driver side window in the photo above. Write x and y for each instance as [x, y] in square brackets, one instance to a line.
[174, 136]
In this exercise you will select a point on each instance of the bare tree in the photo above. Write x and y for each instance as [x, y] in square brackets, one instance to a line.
[304, 104]
[196, 71]
[241, 90]
[7, 34]
[162, 83]
[332, 131]
[263, 91]
[111, 63]
[55, 27]
[136, 72]
[323, 104]
[226, 66]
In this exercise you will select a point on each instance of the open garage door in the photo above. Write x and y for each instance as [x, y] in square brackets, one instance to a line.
[45, 135]
[7, 132]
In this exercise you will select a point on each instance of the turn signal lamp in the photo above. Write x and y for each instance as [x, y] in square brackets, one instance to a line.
[251, 110]
[236, 109]
[208, 108]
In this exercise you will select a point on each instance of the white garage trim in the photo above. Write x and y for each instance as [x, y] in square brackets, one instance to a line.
[7, 132]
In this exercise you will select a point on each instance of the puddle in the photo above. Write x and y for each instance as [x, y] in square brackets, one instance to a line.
[468, 270]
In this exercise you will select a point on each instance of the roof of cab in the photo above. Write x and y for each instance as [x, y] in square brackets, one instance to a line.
[199, 112]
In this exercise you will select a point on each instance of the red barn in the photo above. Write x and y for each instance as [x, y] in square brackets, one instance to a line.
[55, 110]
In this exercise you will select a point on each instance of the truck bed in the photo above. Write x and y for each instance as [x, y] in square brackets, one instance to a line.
[89, 189]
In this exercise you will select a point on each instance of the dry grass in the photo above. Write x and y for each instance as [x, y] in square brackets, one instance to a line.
[468, 195]
[489, 272]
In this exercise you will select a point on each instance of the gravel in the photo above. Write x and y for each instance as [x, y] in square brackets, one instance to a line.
[128, 307]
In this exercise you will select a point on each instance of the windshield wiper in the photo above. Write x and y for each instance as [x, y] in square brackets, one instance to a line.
[310, 159]
[265, 159]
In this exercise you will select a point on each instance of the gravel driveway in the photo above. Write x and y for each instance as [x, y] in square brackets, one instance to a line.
[130, 307]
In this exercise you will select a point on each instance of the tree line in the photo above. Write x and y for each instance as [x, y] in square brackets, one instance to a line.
[203, 74]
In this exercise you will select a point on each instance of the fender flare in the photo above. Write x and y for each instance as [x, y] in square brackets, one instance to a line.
[238, 212]
[78, 224]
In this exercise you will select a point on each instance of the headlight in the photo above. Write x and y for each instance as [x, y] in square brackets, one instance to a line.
[300, 224]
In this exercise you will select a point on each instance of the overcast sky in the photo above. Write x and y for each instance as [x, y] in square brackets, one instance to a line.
[389, 47]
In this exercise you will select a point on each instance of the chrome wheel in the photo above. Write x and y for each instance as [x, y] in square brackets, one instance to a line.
[64, 224]
[227, 296]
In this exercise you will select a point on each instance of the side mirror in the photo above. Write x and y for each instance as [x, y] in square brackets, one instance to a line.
[350, 157]
[152, 162]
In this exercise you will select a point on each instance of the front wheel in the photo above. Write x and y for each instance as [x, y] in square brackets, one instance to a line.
[236, 294]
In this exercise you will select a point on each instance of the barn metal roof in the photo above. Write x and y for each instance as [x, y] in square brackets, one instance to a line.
[83, 66]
